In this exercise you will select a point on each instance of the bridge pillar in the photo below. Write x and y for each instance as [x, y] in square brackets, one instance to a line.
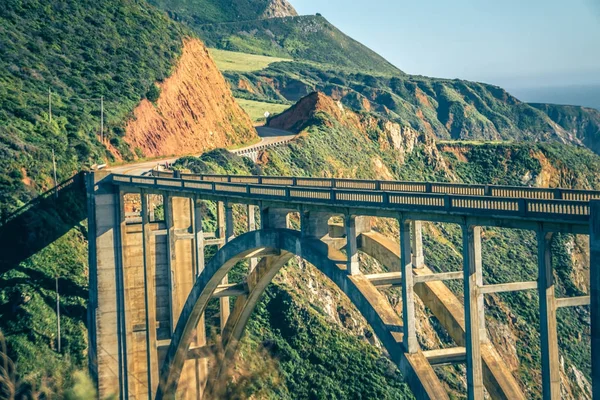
[314, 224]
[472, 271]
[149, 298]
[182, 259]
[252, 227]
[411, 344]
[201, 364]
[595, 294]
[418, 260]
[224, 230]
[105, 317]
[548, 332]
[353, 266]
[273, 218]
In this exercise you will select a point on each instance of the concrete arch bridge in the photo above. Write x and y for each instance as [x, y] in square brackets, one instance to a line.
[150, 283]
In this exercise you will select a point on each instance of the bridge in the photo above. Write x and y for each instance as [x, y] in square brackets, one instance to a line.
[150, 282]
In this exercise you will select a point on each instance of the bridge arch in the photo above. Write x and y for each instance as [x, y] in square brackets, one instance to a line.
[287, 243]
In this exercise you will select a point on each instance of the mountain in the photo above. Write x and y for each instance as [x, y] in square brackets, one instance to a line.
[199, 12]
[324, 59]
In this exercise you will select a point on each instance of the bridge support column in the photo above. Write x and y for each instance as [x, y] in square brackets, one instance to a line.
[251, 227]
[201, 364]
[408, 297]
[471, 266]
[548, 332]
[595, 294]
[224, 230]
[353, 266]
[418, 260]
[182, 271]
[149, 299]
[105, 309]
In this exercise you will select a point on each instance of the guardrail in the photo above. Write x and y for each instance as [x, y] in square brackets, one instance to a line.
[398, 186]
[267, 189]
[242, 152]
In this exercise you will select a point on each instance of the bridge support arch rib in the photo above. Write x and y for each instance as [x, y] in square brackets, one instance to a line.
[372, 305]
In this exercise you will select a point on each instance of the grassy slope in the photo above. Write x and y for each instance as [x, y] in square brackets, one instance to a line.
[81, 50]
[242, 62]
[198, 12]
[309, 38]
[256, 109]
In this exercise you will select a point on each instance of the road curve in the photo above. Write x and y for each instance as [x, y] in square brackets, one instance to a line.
[269, 136]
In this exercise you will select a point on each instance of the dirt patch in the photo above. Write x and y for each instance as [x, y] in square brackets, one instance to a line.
[457, 151]
[245, 85]
[422, 98]
[195, 112]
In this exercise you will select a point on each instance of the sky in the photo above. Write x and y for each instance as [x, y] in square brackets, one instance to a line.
[511, 43]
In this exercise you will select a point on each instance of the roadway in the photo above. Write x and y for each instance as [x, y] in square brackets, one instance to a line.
[269, 136]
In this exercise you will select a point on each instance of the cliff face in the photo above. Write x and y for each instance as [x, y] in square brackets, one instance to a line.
[195, 111]
[279, 9]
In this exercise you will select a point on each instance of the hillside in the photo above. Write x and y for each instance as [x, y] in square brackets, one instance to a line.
[336, 142]
[305, 38]
[199, 12]
[329, 61]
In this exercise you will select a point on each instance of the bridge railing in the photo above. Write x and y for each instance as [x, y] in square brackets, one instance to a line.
[259, 189]
[400, 186]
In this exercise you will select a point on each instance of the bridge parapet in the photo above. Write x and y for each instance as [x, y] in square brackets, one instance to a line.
[400, 186]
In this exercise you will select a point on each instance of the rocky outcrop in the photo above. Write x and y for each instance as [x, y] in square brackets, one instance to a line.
[195, 111]
[305, 111]
[279, 9]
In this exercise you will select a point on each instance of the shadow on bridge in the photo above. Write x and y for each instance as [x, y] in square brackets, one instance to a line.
[42, 221]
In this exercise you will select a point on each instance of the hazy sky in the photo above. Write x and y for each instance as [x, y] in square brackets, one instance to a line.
[506, 42]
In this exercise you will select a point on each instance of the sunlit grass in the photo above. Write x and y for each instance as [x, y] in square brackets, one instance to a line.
[235, 61]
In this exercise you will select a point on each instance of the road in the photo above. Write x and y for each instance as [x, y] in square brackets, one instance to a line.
[269, 136]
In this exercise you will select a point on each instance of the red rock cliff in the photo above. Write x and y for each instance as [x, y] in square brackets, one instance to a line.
[195, 112]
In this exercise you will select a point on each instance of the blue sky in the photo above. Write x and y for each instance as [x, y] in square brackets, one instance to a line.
[505, 42]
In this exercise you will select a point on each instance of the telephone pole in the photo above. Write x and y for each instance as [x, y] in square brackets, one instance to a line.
[58, 314]
[102, 119]
[54, 167]
[50, 104]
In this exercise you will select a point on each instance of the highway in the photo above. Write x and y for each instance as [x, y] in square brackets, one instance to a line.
[269, 136]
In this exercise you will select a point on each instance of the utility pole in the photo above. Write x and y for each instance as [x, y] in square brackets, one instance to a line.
[50, 104]
[58, 313]
[102, 119]
[54, 167]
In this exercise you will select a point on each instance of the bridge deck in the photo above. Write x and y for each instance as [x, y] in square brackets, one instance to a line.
[511, 212]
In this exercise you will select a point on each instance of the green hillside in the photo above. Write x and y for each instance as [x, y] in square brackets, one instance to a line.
[328, 60]
[81, 50]
[199, 12]
[307, 38]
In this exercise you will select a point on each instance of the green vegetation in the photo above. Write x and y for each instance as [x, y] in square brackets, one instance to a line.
[308, 38]
[242, 62]
[199, 12]
[256, 109]
[81, 50]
